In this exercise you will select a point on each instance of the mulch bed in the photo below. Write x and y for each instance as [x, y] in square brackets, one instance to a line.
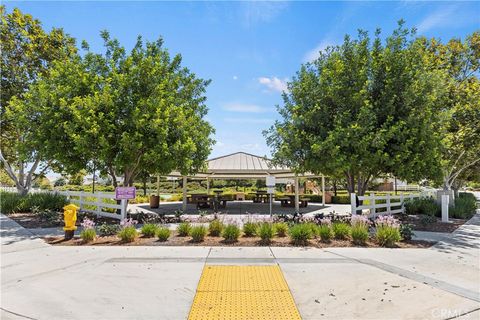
[437, 226]
[31, 221]
[175, 240]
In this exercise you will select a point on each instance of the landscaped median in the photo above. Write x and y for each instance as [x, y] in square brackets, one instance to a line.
[254, 230]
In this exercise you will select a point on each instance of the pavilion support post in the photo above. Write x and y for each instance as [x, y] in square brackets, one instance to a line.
[323, 190]
[184, 193]
[297, 196]
[208, 186]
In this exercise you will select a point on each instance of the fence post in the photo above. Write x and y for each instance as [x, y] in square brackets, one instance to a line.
[372, 204]
[353, 203]
[403, 204]
[389, 207]
[98, 203]
[445, 200]
[81, 200]
[124, 208]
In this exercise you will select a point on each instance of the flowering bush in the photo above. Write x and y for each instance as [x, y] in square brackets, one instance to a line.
[231, 232]
[326, 221]
[163, 233]
[341, 230]
[183, 229]
[281, 229]
[198, 233]
[87, 224]
[388, 231]
[266, 231]
[215, 228]
[300, 233]
[250, 229]
[149, 230]
[88, 233]
[128, 232]
[128, 222]
[388, 221]
[325, 231]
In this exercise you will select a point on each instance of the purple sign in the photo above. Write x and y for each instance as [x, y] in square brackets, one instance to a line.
[125, 193]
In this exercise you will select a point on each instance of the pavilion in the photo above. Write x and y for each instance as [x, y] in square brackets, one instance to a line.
[242, 165]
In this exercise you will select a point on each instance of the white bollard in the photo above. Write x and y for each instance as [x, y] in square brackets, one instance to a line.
[445, 200]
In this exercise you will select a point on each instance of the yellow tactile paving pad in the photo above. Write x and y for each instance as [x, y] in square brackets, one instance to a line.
[243, 292]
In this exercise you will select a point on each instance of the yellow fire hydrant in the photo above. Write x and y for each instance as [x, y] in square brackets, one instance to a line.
[70, 218]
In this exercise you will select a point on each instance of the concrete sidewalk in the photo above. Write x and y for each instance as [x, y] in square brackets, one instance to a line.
[45, 282]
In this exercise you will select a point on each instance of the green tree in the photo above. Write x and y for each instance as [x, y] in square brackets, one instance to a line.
[27, 53]
[460, 108]
[129, 113]
[362, 109]
[78, 178]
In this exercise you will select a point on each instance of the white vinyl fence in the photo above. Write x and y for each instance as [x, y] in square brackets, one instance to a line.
[86, 203]
[393, 204]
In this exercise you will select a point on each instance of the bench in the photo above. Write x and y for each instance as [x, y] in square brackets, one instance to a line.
[290, 202]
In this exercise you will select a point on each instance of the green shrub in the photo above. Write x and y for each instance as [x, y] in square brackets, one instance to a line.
[387, 236]
[281, 228]
[406, 231]
[198, 233]
[341, 199]
[46, 215]
[250, 229]
[325, 232]
[183, 229]
[149, 230]
[11, 202]
[266, 231]
[231, 233]
[300, 233]
[163, 233]
[419, 206]
[465, 206]
[88, 235]
[127, 234]
[215, 228]
[425, 220]
[341, 230]
[108, 229]
[359, 234]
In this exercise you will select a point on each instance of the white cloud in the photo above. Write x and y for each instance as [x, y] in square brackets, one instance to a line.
[248, 120]
[441, 17]
[242, 107]
[314, 53]
[235, 77]
[274, 83]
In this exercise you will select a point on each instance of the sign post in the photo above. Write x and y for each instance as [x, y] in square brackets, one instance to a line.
[125, 193]
[270, 189]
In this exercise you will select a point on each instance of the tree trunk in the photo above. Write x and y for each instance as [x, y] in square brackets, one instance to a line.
[335, 188]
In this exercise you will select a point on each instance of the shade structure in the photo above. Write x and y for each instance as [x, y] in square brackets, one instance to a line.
[242, 165]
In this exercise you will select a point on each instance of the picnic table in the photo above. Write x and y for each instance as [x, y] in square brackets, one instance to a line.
[260, 196]
[289, 201]
[203, 200]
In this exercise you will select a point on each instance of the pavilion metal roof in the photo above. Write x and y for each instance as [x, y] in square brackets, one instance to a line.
[242, 165]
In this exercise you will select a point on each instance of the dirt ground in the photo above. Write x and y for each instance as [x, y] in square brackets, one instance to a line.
[438, 226]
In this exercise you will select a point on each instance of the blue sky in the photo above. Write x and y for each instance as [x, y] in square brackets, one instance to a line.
[248, 49]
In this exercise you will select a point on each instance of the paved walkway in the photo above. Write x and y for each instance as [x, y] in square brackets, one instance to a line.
[39, 281]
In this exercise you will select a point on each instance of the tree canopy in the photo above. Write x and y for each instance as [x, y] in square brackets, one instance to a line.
[125, 113]
[363, 108]
[27, 53]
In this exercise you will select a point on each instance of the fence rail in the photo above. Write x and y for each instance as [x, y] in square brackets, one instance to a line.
[85, 204]
[393, 204]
